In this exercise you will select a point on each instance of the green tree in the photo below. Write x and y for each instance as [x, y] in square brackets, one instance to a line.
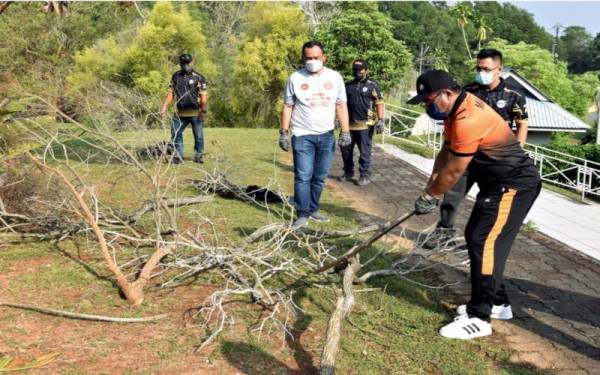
[575, 47]
[362, 31]
[269, 50]
[595, 53]
[147, 62]
[463, 13]
[137, 64]
[412, 23]
[513, 24]
[574, 93]
[483, 30]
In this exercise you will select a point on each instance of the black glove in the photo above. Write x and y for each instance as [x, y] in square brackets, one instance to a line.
[284, 141]
[345, 139]
[380, 127]
[426, 204]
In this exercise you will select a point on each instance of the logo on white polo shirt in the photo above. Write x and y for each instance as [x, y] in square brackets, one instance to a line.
[304, 86]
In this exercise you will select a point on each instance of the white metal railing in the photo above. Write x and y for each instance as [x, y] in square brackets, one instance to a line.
[571, 172]
[558, 168]
[400, 124]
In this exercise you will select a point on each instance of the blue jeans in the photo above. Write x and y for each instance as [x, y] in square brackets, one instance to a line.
[177, 128]
[312, 159]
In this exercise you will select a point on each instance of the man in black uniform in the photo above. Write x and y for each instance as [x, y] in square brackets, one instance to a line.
[510, 105]
[190, 89]
[365, 109]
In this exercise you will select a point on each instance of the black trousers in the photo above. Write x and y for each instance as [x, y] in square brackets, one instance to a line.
[492, 228]
[364, 140]
[452, 200]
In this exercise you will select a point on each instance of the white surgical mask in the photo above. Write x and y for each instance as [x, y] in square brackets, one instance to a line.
[314, 66]
[484, 78]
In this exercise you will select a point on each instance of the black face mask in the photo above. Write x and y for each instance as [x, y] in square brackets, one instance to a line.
[186, 68]
[359, 75]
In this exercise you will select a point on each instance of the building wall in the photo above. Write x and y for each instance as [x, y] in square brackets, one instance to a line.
[538, 138]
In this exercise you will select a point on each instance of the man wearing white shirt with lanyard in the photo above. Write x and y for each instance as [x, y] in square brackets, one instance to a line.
[313, 97]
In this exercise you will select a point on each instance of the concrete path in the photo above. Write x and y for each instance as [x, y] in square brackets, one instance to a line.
[576, 224]
[554, 290]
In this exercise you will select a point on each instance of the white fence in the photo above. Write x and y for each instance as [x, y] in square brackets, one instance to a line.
[567, 171]
[411, 127]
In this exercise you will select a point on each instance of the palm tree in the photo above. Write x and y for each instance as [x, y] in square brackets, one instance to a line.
[463, 11]
[482, 29]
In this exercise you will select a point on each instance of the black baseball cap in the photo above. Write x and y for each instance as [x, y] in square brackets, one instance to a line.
[186, 58]
[430, 82]
[360, 64]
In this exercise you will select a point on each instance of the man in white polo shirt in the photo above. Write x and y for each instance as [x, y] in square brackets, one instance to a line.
[313, 97]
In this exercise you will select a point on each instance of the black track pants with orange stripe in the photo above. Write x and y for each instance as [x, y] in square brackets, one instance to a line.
[492, 228]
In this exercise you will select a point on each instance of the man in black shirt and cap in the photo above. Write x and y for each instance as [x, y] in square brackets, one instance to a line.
[365, 109]
[510, 105]
[189, 88]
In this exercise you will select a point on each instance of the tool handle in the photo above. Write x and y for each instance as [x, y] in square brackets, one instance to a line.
[360, 247]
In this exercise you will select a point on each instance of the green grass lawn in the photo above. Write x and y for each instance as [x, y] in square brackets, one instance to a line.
[394, 324]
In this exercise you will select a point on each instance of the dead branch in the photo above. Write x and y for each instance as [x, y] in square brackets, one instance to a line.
[343, 307]
[72, 315]
[149, 205]
[133, 292]
[360, 247]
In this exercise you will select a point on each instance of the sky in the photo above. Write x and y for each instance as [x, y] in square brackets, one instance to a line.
[567, 13]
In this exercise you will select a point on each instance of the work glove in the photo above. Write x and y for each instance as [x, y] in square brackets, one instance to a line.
[380, 126]
[284, 140]
[345, 139]
[426, 204]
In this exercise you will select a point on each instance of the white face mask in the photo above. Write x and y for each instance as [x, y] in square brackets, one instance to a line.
[314, 66]
[484, 78]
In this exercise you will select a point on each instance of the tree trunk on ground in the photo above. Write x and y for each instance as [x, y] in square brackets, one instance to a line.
[343, 306]
[134, 292]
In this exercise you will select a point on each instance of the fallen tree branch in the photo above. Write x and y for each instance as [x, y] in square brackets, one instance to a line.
[167, 202]
[360, 247]
[72, 315]
[343, 307]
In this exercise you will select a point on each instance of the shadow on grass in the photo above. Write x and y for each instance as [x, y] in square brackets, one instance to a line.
[86, 149]
[85, 266]
[252, 360]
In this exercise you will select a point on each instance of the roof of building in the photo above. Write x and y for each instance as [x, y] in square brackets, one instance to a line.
[544, 114]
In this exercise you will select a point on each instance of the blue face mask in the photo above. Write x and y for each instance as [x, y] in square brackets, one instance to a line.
[484, 78]
[434, 112]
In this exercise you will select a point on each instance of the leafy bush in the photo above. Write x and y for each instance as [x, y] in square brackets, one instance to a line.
[362, 31]
[271, 46]
[574, 93]
[141, 61]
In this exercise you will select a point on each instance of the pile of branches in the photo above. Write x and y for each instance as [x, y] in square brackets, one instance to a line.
[46, 195]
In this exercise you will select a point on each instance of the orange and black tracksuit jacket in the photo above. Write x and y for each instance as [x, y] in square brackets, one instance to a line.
[509, 183]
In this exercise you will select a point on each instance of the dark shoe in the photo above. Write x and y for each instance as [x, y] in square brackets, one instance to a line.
[362, 181]
[316, 216]
[198, 159]
[177, 160]
[440, 238]
[346, 178]
[301, 222]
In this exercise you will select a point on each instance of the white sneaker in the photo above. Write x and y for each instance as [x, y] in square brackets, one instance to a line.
[501, 312]
[466, 328]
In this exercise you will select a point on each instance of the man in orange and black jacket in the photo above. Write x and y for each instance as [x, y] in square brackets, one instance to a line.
[477, 137]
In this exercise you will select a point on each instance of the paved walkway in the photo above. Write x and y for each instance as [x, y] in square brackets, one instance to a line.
[573, 223]
[555, 291]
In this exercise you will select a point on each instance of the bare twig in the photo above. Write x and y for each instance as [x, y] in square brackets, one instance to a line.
[72, 315]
